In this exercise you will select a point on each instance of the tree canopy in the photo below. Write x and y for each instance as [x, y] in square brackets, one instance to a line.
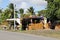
[21, 11]
[53, 9]
[31, 10]
[42, 13]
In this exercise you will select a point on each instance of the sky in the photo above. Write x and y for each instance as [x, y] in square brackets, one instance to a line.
[25, 4]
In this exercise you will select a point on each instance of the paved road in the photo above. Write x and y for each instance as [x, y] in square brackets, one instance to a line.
[4, 35]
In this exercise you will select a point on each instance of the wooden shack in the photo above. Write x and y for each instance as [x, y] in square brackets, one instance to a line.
[32, 23]
[35, 23]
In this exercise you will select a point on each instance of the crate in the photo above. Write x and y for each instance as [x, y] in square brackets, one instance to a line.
[36, 26]
[57, 27]
[46, 26]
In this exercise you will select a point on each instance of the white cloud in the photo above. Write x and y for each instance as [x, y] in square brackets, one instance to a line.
[38, 2]
[30, 1]
[0, 1]
[15, 1]
[27, 3]
[34, 2]
[24, 5]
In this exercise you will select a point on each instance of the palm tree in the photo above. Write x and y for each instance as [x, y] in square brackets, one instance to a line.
[7, 13]
[11, 8]
[21, 11]
[0, 15]
[31, 10]
[16, 14]
[0, 12]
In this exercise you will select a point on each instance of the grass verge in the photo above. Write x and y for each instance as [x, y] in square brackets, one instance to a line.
[48, 33]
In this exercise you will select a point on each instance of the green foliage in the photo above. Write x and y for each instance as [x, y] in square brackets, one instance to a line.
[21, 11]
[16, 14]
[0, 15]
[8, 13]
[31, 10]
[11, 6]
[11, 9]
[0, 10]
[42, 12]
[26, 15]
[53, 9]
[58, 13]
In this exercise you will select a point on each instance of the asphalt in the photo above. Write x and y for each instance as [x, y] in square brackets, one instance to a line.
[5, 35]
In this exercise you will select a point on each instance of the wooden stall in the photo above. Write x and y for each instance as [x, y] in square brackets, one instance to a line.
[34, 23]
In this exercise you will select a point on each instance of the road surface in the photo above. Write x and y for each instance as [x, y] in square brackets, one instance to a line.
[4, 35]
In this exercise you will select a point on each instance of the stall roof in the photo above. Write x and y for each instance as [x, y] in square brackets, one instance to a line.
[17, 19]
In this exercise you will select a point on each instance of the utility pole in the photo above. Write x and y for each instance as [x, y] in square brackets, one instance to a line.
[14, 17]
